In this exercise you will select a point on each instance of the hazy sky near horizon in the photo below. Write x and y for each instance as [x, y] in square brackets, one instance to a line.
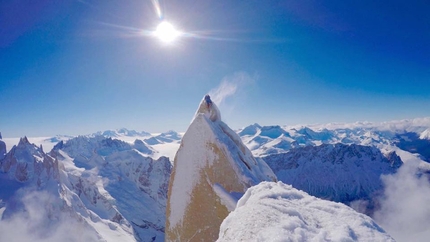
[77, 67]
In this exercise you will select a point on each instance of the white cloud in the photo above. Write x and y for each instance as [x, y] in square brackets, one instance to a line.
[232, 91]
[37, 217]
[404, 209]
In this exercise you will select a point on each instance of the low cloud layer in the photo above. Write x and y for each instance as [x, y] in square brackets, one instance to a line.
[36, 217]
[405, 210]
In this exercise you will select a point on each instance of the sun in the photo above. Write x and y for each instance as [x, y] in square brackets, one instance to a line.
[166, 32]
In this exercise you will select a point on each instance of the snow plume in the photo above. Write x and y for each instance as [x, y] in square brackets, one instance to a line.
[404, 212]
[36, 218]
[234, 85]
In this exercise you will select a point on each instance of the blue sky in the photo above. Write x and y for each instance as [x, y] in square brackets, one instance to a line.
[76, 67]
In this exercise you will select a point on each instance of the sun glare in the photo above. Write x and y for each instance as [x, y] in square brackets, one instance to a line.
[166, 32]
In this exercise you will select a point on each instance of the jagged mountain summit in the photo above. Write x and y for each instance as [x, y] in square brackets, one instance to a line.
[211, 168]
[27, 162]
[38, 195]
[137, 184]
[104, 188]
[278, 212]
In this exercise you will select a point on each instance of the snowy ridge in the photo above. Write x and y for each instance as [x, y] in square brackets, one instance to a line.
[125, 176]
[277, 212]
[425, 134]
[339, 172]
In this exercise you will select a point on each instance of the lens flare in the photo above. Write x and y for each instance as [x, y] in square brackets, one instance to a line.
[166, 32]
[157, 8]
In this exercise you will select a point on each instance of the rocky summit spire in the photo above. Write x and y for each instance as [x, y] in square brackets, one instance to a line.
[23, 141]
[212, 168]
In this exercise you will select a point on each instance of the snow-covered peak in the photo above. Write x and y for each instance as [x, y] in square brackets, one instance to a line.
[127, 132]
[250, 130]
[142, 147]
[170, 133]
[123, 132]
[209, 109]
[88, 146]
[425, 134]
[278, 212]
[273, 131]
[322, 135]
[118, 182]
[23, 141]
[211, 165]
[26, 161]
[168, 136]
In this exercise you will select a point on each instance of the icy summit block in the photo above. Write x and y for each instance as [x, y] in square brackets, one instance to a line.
[211, 167]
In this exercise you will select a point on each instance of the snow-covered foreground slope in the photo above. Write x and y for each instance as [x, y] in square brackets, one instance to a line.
[211, 167]
[277, 212]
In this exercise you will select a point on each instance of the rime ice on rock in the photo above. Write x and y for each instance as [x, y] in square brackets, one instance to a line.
[211, 167]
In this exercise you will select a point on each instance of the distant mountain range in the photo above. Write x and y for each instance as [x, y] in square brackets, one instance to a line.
[113, 184]
[265, 140]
